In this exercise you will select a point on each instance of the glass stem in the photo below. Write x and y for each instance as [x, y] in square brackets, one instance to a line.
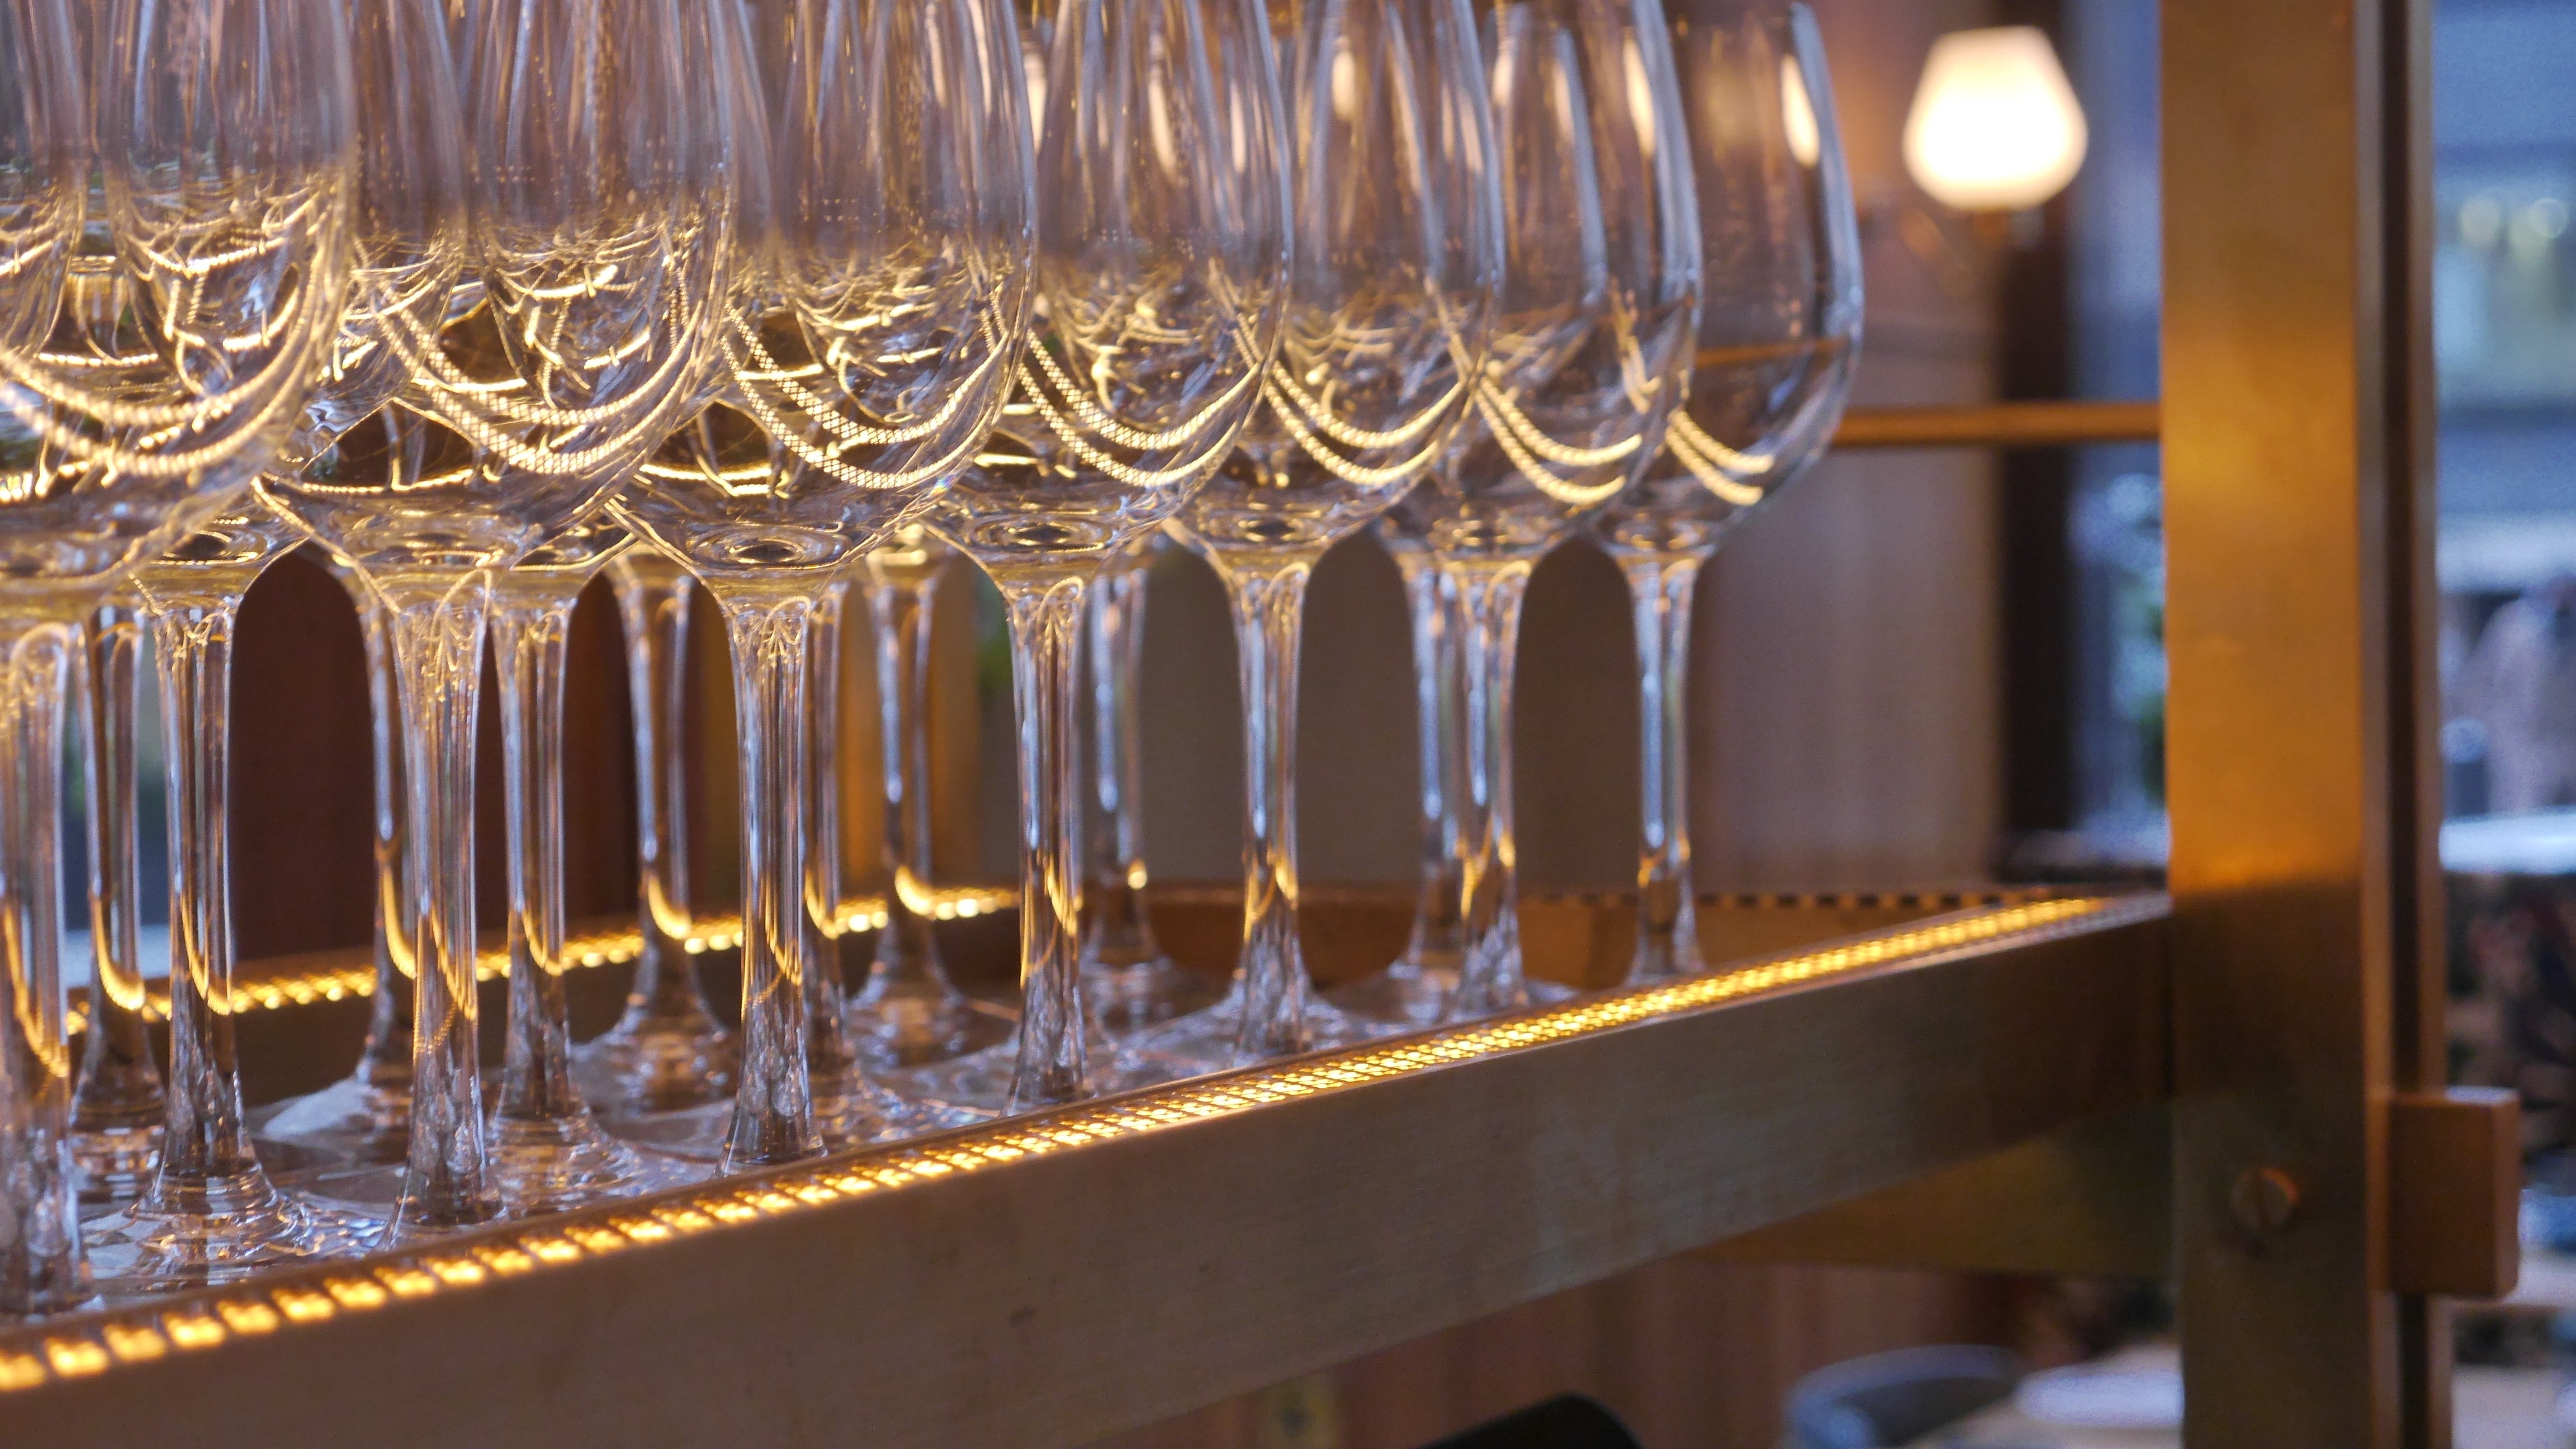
[907, 961]
[1269, 606]
[827, 1037]
[529, 641]
[1439, 934]
[204, 1143]
[120, 1085]
[437, 627]
[773, 1108]
[1119, 933]
[1489, 600]
[653, 607]
[41, 1267]
[1667, 924]
[1046, 623]
[385, 1065]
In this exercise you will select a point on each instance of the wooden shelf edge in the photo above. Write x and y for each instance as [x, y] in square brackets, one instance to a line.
[1059, 1278]
[2093, 1200]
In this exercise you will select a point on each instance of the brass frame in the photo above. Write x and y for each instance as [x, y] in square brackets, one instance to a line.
[2001, 425]
[2298, 526]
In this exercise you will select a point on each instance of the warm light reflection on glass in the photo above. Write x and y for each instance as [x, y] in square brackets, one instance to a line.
[1798, 115]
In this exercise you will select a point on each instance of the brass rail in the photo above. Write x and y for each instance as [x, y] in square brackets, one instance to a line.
[2002, 425]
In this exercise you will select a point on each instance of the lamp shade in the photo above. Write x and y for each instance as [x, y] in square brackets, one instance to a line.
[1995, 126]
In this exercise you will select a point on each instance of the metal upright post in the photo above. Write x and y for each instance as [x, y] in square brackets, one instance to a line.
[2297, 418]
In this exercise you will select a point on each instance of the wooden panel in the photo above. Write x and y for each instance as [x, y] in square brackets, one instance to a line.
[2294, 377]
[2092, 1201]
[948, 1296]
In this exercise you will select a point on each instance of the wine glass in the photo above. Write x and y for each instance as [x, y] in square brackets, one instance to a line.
[1161, 281]
[1779, 331]
[212, 1211]
[1127, 980]
[596, 251]
[117, 1101]
[157, 333]
[1398, 248]
[666, 1051]
[1591, 354]
[1413, 992]
[362, 1120]
[881, 295]
[909, 1013]
[548, 1152]
[850, 1105]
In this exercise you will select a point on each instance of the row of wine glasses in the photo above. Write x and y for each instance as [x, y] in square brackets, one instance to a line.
[485, 298]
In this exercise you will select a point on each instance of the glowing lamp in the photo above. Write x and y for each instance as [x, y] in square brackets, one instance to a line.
[1995, 126]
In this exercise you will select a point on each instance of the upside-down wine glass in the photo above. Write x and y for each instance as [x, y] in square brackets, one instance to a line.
[1128, 981]
[136, 399]
[1591, 354]
[909, 1013]
[1413, 992]
[869, 333]
[1779, 331]
[1391, 298]
[212, 1212]
[363, 1119]
[1161, 279]
[600, 200]
[723, 452]
[850, 1104]
[548, 1152]
[667, 1050]
[117, 1102]
[829, 1053]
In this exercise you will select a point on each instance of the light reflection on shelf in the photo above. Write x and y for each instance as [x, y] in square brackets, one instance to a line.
[74, 1348]
[597, 948]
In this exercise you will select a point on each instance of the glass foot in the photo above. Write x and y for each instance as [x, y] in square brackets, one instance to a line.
[858, 1113]
[890, 1032]
[235, 1227]
[977, 1087]
[1533, 992]
[555, 1165]
[1146, 993]
[352, 1121]
[1206, 1041]
[656, 1068]
[115, 1164]
[1404, 997]
[374, 1195]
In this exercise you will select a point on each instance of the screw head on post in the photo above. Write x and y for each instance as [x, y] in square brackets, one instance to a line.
[2264, 1200]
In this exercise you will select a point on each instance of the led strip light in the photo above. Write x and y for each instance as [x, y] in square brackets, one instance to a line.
[86, 1345]
[597, 948]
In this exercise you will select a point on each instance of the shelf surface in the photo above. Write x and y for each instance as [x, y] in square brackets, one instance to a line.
[1053, 1278]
